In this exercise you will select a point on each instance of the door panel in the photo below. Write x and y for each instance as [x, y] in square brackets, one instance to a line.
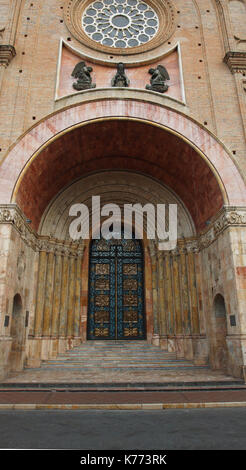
[116, 290]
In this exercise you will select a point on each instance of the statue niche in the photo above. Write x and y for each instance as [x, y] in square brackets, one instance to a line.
[158, 79]
[120, 79]
[83, 75]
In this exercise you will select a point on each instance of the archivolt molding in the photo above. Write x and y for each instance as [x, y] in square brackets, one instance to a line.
[228, 217]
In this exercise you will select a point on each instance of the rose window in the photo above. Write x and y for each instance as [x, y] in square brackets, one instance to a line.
[120, 23]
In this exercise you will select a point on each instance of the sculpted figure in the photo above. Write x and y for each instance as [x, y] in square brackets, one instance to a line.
[83, 75]
[158, 79]
[120, 79]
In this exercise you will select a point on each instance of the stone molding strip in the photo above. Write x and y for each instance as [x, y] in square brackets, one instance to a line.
[227, 217]
[236, 61]
[121, 406]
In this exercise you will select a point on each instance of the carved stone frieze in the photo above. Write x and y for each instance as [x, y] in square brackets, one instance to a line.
[227, 217]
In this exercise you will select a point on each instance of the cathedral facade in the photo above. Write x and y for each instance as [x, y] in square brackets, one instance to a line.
[135, 102]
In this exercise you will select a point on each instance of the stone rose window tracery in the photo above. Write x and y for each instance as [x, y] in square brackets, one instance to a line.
[120, 23]
[120, 27]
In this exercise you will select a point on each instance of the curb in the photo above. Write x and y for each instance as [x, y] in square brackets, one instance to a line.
[129, 406]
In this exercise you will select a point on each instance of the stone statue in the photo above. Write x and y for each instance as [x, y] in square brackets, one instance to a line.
[120, 79]
[83, 75]
[158, 79]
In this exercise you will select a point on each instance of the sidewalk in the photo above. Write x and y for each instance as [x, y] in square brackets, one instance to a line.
[121, 400]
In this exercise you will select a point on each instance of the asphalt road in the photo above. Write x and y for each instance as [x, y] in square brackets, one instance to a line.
[211, 429]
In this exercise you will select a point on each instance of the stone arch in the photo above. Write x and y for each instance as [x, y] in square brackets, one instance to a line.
[37, 142]
[116, 134]
[120, 187]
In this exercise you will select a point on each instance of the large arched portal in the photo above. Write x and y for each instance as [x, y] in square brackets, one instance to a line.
[127, 152]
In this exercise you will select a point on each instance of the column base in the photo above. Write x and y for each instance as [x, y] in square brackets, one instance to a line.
[236, 364]
[156, 340]
[163, 343]
[200, 350]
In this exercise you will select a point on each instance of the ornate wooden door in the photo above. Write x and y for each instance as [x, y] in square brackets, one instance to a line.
[116, 290]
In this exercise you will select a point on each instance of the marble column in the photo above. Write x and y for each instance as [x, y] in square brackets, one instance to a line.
[169, 294]
[193, 294]
[64, 298]
[186, 307]
[49, 289]
[162, 310]
[78, 287]
[177, 300]
[40, 294]
[156, 336]
[57, 295]
[71, 298]
[185, 293]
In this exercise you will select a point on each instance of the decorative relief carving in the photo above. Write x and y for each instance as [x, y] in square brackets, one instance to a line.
[102, 284]
[83, 75]
[101, 332]
[120, 79]
[103, 245]
[102, 268]
[130, 269]
[102, 316]
[129, 246]
[130, 300]
[131, 316]
[158, 79]
[131, 332]
[102, 300]
[11, 214]
[130, 284]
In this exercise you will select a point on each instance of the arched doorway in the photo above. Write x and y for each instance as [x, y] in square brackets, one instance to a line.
[116, 306]
[17, 334]
[139, 138]
[220, 333]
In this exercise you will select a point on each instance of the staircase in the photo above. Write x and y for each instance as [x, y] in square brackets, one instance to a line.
[118, 355]
[118, 365]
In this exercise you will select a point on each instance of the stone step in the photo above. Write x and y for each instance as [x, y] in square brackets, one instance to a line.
[119, 357]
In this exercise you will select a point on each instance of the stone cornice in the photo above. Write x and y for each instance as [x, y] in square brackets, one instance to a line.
[11, 214]
[7, 53]
[227, 217]
[236, 61]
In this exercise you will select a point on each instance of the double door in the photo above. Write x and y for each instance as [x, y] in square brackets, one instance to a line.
[116, 291]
